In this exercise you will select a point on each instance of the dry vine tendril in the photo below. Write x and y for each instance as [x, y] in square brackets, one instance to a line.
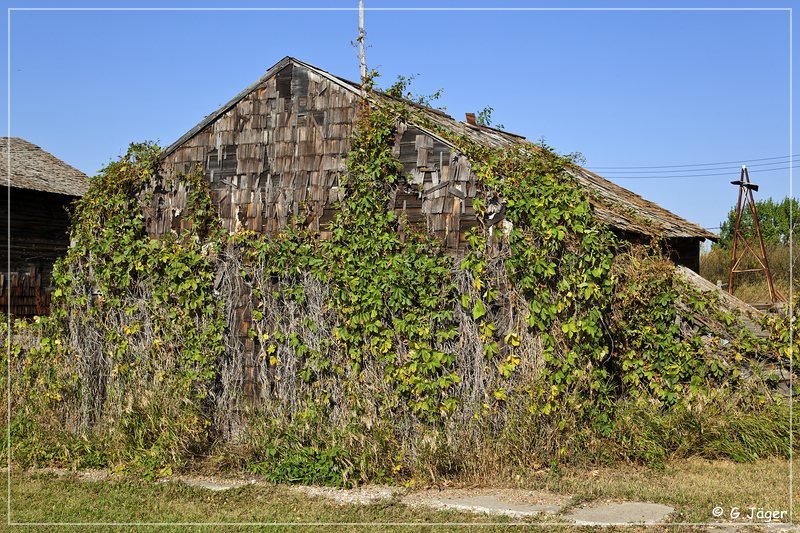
[380, 356]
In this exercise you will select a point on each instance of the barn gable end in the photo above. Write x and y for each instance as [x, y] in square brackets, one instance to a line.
[278, 153]
[275, 155]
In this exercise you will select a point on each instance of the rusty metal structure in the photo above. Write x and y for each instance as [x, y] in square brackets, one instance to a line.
[746, 201]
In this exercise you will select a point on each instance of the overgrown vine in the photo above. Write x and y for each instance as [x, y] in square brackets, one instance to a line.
[375, 355]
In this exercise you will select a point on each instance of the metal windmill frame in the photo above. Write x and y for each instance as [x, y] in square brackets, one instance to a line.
[746, 200]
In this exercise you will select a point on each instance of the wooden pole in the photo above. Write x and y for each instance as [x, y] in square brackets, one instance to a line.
[361, 55]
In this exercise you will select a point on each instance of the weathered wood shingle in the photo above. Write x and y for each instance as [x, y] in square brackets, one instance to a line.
[41, 190]
[37, 170]
[290, 134]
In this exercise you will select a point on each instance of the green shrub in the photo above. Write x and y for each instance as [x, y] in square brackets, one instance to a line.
[377, 356]
[306, 465]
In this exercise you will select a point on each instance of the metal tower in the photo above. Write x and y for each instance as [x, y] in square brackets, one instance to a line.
[746, 201]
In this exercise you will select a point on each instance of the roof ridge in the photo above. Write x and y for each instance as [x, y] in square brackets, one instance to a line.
[487, 136]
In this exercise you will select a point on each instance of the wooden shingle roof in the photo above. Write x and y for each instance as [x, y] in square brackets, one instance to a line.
[613, 204]
[35, 169]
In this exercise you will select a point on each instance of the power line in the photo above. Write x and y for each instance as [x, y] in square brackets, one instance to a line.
[677, 176]
[731, 168]
[700, 164]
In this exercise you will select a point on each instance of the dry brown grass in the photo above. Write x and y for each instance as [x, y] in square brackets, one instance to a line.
[751, 287]
[693, 487]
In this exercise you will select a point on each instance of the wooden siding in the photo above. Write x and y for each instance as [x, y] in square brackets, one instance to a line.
[439, 187]
[39, 236]
[279, 154]
[276, 153]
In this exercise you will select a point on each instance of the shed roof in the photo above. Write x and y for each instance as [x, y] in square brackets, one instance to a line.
[613, 204]
[35, 169]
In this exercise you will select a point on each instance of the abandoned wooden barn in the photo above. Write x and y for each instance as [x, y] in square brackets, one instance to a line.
[278, 149]
[37, 193]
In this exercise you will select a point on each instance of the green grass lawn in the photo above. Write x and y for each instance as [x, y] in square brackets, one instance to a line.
[46, 498]
[693, 487]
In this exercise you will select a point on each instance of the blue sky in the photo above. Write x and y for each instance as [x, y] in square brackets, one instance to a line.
[624, 88]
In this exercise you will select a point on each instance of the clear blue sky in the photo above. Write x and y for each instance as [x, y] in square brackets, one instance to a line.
[625, 88]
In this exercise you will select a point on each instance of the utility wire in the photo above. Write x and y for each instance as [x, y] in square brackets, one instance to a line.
[699, 164]
[733, 174]
[672, 171]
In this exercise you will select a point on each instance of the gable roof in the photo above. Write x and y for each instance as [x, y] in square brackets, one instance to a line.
[613, 204]
[35, 169]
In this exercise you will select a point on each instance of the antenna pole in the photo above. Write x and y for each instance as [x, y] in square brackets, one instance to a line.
[361, 54]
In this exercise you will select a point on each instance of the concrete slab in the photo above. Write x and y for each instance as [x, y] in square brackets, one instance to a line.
[495, 506]
[515, 503]
[215, 485]
[363, 495]
[619, 514]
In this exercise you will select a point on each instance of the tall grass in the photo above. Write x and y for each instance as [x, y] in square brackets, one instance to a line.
[752, 286]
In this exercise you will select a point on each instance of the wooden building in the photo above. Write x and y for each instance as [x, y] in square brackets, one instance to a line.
[277, 151]
[34, 212]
